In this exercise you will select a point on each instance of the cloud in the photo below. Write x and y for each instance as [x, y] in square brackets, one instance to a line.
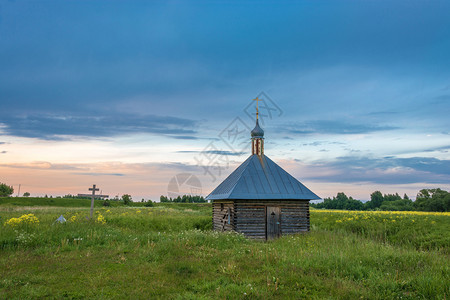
[43, 165]
[385, 170]
[185, 137]
[92, 168]
[319, 143]
[383, 113]
[332, 127]
[114, 178]
[219, 152]
[3, 152]
[442, 99]
[101, 174]
[443, 149]
[56, 126]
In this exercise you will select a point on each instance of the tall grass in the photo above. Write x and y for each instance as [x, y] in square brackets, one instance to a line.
[6, 202]
[170, 252]
[422, 230]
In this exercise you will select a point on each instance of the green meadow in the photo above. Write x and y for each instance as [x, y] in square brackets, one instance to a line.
[169, 251]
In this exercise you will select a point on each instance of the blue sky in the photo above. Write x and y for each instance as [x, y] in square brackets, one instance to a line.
[128, 95]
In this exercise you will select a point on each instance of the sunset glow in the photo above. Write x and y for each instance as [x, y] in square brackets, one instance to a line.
[128, 95]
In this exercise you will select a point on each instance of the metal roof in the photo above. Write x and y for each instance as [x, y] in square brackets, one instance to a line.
[261, 178]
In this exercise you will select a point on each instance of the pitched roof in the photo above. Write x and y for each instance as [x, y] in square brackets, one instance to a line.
[261, 178]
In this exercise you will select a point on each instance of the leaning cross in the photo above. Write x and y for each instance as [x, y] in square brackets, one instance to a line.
[93, 189]
[93, 196]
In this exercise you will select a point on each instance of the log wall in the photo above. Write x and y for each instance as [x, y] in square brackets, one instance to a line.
[250, 219]
[249, 216]
[223, 213]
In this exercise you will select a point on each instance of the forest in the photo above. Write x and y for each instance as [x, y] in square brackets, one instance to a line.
[426, 200]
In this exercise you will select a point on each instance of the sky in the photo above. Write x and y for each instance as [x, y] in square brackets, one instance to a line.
[143, 97]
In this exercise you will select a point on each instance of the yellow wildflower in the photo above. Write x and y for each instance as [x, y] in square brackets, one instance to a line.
[29, 219]
[101, 219]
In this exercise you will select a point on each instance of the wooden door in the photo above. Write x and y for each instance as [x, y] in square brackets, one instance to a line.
[273, 216]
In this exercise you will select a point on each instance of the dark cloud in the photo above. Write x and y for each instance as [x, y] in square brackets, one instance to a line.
[87, 169]
[332, 127]
[3, 152]
[219, 152]
[443, 149]
[49, 126]
[386, 170]
[319, 143]
[383, 113]
[184, 137]
[100, 174]
[43, 165]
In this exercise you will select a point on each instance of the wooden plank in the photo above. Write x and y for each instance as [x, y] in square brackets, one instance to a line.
[273, 222]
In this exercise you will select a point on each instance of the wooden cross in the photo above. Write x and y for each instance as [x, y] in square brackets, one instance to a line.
[257, 111]
[93, 196]
[93, 189]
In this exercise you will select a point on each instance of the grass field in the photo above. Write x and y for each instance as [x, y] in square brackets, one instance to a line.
[169, 251]
[57, 202]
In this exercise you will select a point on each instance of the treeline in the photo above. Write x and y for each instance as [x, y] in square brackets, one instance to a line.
[426, 200]
[183, 199]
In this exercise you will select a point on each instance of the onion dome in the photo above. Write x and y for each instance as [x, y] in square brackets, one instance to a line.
[257, 132]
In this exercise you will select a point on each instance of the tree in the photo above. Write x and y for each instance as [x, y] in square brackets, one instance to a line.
[353, 204]
[6, 190]
[376, 199]
[26, 194]
[149, 203]
[341, 200]
[432, 200]
[126, 199]
[397, 205]
[391, 197]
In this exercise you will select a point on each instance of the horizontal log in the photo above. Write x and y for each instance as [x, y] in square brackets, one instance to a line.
[293, 227]
[250, 221]
[296, 219]
[262, 233]
[250, 226]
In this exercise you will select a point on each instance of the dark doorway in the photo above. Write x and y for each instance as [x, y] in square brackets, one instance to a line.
[273, 222]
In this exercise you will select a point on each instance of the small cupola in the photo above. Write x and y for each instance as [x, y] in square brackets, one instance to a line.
[257, 131]
[257, 135]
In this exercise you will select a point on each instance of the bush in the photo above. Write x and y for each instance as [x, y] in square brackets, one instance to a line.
[5, 190]
[106, 203]
[126, 199]
[149, 203]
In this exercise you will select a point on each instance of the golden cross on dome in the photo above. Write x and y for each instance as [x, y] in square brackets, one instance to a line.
[257, 111]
